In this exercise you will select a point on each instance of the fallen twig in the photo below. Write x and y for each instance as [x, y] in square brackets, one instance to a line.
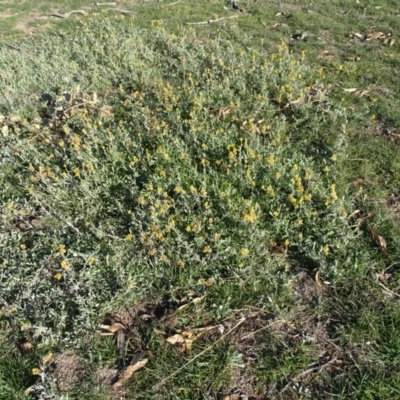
[13, 46]
[306, 372]
[388, 290]
[263, 328]
[200, 354]
[68, 14]
[125, 12]
[210, 21]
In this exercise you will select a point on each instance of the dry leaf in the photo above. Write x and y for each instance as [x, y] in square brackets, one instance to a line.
[380, 241]
[317, 278]
[276, 25]
[160, 332]
[375, 35]
[392, 40]
[188, 344]
[176, 339]
[358, 182]
[357, 92]
[198, 299]
[129, 372]
[358, 35]
[4, 130]
[15, 118]
[26, 346]
[47, 357]
[113, 328]
[233, 396]
[354, 58]
[351, 90]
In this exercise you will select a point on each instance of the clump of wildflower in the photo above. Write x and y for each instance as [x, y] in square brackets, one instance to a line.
[64, 265]
[250, 216]
[244, 251]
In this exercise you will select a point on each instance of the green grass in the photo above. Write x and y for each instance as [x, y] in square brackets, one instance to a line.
[145, 161]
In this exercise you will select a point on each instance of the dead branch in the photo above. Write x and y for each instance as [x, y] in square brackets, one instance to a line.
[210, 21]
[68, 14]
[200, 354]
[125, 12]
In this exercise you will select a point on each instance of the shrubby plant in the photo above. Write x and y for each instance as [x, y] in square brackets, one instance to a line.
[137, 163]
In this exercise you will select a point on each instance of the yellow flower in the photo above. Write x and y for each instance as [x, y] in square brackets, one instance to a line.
[178, 189]
[77, 172]
[64, 265]
[181, 264]
[207, 250]
[241, 265]
[334, 157]
[287, 242]
[153, 252]
[58, 276]
[129, 237]
[164, 258]
[276, 213]
[61, 249]
[307, 197]
[300, 222]
[47, 357]
[271, 160]
[91, 260]
[132, 284]
[134, 161]
[250, 216]
[35, 371]
[244, 251]
[326, 250]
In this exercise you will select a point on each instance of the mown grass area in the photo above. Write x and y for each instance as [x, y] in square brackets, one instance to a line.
[213, 191]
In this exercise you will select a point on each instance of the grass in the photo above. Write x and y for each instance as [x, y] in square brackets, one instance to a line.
[174, 179]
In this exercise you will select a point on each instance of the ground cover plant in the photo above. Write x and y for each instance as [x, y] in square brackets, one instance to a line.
[189, 196]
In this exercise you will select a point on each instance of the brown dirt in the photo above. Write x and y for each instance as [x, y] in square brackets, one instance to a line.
[6, 14]
[23, 23]
[69, 370]
[248, 340]
[393, 202]
[383, 129]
